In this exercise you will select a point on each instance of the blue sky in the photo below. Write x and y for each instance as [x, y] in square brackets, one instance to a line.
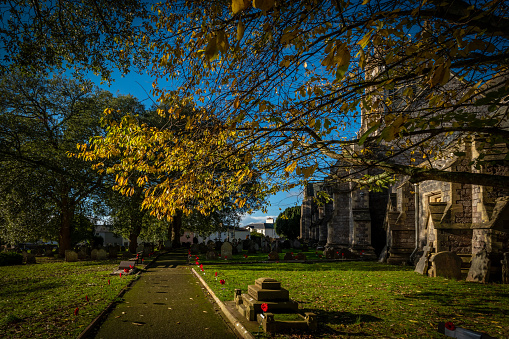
[139, 86]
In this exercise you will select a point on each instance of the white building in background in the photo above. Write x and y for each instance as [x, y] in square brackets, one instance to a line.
[109, 237]
[266, 228]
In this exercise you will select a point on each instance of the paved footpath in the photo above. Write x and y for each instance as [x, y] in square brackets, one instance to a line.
[166, 302]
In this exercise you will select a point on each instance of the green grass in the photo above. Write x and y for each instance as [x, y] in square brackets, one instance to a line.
[368, 299]
[38, 301]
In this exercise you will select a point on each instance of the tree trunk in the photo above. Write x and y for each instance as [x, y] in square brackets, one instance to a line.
[133, 239]
[66, 216]
[176, 225]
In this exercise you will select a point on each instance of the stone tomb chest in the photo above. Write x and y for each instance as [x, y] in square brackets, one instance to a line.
[268, 291]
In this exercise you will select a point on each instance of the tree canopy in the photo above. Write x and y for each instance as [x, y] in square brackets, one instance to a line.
[288, 81]
[288, 222]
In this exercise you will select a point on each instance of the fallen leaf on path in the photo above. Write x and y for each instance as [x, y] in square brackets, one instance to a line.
[204, 311]
[137, 323]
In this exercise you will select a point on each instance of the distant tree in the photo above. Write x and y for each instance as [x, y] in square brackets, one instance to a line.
[42, 188]
[288, 222]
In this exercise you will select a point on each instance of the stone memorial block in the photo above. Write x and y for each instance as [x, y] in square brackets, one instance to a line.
[211, 255]
[422, 266]
[226, 250]
[113, 252]
[202, 248]
[102, 254]
[93, 254]
[296, 244]
[447, 265]
[300, 256]
[195, 249]
[127, 264]
[29, 258]
[274, 256]
[71, 256]
[288, 256]
[211, 245]
[82, 253]
[252, 248]
[479, 268]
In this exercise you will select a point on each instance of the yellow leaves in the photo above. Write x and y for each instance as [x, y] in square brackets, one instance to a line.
[339, 56]
[217, 43]
[240, 30]
[440, 76]
[240, 5]
[365, 2]
[236, 103]
[264, 5]
[365, 40]
[290, 168]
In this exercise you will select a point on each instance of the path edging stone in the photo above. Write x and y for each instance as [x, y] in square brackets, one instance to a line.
[241, 330]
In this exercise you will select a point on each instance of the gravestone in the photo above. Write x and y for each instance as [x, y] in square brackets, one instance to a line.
[505, 268]
[82, 253]
[211, 245]
[93, 254]
[274, 256]
[329, 253]
[102, 254]
[211, 255]
[226, 250]
[447, 265]
[252, 248]
[275, 246]
[422, 266]
[29, 258]
[195, 249]
[71, 256]
[202, 248]
[288, 256]
[48, 253]
[113, 252]
[296, 244]
[479, 268]
[300, 256]
[240, 247]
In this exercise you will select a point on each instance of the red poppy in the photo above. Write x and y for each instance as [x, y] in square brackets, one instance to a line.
[226, 257]
[120, 274]
[450, 326]
[319, 255]
[245, 256]
[108, 281]
[216, 274]
[264, 307]
[197, 263]
[126, 270]
[76, 311]
[86, 298]
[130, 266]
[222, 281]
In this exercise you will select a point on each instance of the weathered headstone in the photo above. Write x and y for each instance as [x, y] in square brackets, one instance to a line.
[329, 253]
[288, 256]
[447, 265]
[252, 248]
[29, 258]
[82, 253]
[300, 256]
[211, 255]
[226, 250]
[422, 266]
[93, 254]
[113, 252]
[71, 256]
[480, 267]
[296, 244]
[274, 256]
[505, 268]
[195, 249]
[102, 254]
[202, 248]
[240, 247]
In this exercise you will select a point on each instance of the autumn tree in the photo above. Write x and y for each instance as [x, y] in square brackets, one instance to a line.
[288, 81]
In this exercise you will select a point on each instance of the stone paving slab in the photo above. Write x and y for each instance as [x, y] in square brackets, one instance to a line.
[166, 302]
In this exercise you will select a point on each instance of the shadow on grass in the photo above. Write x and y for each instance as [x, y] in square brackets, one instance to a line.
[29, 287]
[289, 266]
[328, 320]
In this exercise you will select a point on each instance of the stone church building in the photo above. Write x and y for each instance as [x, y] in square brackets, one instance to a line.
[410, 223]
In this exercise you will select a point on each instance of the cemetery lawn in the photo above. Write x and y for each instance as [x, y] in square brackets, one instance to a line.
[370, 299]
[39, 300]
